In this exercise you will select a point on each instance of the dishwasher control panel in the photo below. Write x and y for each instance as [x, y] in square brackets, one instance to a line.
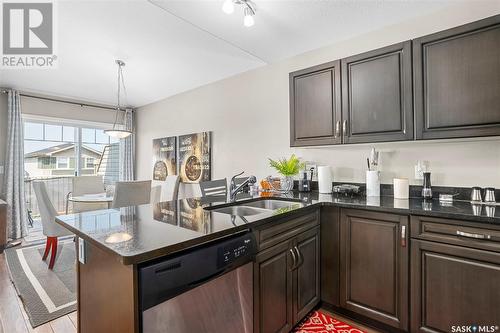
[241, 247]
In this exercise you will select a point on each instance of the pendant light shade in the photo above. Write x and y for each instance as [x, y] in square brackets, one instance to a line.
[119, 133]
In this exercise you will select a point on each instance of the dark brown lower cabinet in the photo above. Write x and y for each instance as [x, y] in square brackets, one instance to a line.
[453, 286]
[286, 282]
[374, 266]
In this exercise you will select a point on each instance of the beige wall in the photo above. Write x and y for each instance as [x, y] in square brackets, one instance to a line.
[248, 115]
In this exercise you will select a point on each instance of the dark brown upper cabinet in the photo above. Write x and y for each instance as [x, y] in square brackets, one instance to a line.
[457, 81]
[315, 108]
[377, 95]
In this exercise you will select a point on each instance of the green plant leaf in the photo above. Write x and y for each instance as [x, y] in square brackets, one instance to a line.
[287, 167]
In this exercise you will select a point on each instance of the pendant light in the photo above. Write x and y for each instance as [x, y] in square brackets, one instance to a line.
[120, 132]
[249, 10]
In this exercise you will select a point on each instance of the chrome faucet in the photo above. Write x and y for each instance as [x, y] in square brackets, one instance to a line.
[234, 190]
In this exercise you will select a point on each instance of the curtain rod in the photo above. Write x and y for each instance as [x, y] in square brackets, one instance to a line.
[3, 91]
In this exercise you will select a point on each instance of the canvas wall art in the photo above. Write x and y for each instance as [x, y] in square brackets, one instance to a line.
[195, 160]
[164, 157]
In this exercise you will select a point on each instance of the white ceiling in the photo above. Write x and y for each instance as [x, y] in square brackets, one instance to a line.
[173, 46]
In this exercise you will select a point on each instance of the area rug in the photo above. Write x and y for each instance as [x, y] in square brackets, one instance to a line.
[318, 321]
[46, 294]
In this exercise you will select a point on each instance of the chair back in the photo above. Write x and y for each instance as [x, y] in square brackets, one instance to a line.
[156, 194]
[132, 193]
[214, 188]
[84, 185]
[47, 212]
[170, 190]
[88, 185]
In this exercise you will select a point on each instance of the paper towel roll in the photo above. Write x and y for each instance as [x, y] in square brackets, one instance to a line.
[372, 183]
[401, 188]
[325, 179]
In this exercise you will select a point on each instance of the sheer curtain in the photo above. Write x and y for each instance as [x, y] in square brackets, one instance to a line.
[13, 180]
[127, 148]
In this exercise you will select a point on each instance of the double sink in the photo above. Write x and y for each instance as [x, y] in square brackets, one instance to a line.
[257, 207]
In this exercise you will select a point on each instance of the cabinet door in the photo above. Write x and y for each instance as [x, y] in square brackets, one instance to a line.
[453, 286]
[374, 266]
[377, 95]
[457, 80]
[273, 290]
[306, 279]
[315, 108]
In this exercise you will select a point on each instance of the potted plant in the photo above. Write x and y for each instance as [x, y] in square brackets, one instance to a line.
[287, 168]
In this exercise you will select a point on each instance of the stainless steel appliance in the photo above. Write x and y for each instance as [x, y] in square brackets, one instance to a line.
[208, 289]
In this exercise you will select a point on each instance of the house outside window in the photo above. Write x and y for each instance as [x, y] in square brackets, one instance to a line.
[62, 163]
[89, 163]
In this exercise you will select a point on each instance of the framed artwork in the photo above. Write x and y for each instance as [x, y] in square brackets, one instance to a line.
[195, 157]
[164, 157]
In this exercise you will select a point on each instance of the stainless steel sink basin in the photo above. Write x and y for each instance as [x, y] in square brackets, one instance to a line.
[256, 207]
[271, 204]
[241, 210]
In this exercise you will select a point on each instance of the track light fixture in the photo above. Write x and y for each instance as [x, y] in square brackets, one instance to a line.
[249, 10]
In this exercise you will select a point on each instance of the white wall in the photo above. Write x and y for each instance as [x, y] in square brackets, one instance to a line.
[249, 117]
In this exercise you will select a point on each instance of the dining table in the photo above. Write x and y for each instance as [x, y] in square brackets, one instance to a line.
[90, 198]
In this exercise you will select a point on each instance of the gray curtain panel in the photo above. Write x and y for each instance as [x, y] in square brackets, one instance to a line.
[127, 149]
[13, 180]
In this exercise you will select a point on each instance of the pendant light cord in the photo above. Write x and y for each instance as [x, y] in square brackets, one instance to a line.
[121, 82]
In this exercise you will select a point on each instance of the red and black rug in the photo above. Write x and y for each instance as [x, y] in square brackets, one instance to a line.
[320, 322]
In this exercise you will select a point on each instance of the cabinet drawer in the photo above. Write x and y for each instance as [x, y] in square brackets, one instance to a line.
[281, 230]
[455, 232]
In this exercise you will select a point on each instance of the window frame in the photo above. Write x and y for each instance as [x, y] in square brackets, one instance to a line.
[58, 159]
[78, 125]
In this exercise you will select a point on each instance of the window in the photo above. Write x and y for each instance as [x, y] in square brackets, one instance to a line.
[62, 163]
[56, 151]
[89, 163]
[46, 162]
[51, 150]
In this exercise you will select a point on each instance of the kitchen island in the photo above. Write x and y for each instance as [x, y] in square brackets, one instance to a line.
[118, 242]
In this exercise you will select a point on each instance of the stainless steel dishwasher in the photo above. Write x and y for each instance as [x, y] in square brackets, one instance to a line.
[206, 289]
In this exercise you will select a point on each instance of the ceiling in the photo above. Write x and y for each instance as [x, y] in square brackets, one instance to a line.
[173, 46]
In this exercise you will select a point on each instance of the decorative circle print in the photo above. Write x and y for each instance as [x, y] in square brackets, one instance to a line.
[193, 168]
[160, 171]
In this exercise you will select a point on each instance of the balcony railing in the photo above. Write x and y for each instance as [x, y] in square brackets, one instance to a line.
[57, 188]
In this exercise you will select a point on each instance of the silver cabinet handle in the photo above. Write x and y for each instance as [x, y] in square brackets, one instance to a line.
[403, 236]
[301, 258]
[294, 260]
[344, 127]
[471, 235]
[337, 129]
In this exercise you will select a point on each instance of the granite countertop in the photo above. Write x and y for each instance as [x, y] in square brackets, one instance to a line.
[138, 234]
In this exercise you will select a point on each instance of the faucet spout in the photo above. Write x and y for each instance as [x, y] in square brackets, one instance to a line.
[234, 190]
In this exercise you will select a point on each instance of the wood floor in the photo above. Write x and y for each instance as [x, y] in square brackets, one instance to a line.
[13, 318]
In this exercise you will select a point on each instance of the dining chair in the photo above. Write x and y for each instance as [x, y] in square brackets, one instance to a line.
[132, 193]
[50, 228]
[214, 188]
[84, 185]
[156, 194]
[170, 190]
